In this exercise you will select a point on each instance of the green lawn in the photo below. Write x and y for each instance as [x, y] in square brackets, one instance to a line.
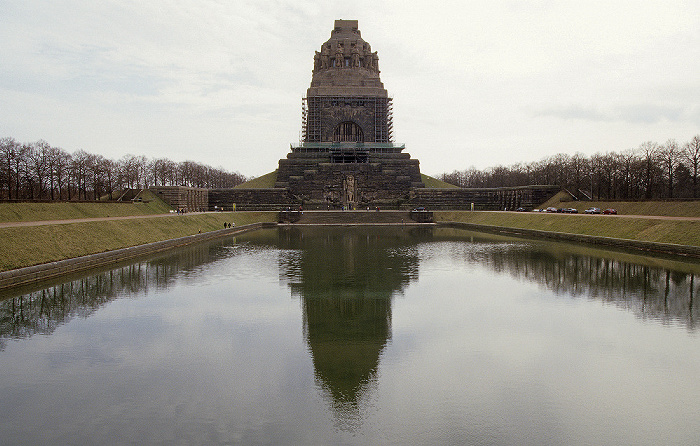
[651, 230]
[431, 182]
[266, 181]
[68, 210]
[33, 245]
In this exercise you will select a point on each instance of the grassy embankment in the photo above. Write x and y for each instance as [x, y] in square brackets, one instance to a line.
[66, 210]
[32, 245]
[644, 229]
[262, 182]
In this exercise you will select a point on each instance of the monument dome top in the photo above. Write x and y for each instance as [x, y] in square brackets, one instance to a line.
[346, 65]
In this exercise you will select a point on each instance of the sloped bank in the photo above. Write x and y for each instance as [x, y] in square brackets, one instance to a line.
[50, 270]
[609, 242]
[23, 246]
[645, 229]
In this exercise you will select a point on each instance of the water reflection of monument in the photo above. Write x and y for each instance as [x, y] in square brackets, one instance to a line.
[345, 279]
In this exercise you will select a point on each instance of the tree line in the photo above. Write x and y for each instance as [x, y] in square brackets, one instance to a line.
[651, 171]
[39, 171]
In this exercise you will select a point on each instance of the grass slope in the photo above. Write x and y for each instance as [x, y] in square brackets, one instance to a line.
[651, 230]
[434, 183]
[262, 182]
[33, 245]
[67, 210]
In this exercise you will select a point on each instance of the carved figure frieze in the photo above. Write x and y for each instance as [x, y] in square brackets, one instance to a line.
[333, 54]
[355, 58]
[317, 61]
[339, 58]
[325, 57]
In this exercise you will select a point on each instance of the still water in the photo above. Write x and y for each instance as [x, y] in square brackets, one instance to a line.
[358, 336]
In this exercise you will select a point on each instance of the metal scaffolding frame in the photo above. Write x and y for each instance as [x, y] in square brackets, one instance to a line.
[311, 121]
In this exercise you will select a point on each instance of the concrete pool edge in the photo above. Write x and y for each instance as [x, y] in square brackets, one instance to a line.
[609, 242]
[27, 275]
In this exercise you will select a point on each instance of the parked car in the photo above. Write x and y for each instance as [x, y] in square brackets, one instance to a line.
[610, 211]
[551, 209]
[571, 211]
[592, 211]
[521, 210]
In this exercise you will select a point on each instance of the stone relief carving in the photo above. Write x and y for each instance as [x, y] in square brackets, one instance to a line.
[375, 62]
[355, 58]
[349, 187]
[360, 57]
[325, 57]
[339, 58]
[317, 61]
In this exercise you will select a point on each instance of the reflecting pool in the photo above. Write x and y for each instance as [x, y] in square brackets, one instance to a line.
[358, 335]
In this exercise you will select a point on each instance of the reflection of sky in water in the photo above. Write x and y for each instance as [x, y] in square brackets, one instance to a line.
[443, 342]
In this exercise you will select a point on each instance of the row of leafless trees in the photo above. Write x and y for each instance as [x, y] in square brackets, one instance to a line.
[650, 171]
[41, 172]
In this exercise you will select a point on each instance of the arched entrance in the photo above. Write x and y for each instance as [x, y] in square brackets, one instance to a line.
[348, 131]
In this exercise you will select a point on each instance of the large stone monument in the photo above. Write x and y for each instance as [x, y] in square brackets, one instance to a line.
[347, 155]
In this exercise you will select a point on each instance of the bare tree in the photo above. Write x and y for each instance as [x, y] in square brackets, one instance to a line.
[670, 155]
[649, 154]
[38, 156]
[8, 152]
[61, 171]
[691, 154]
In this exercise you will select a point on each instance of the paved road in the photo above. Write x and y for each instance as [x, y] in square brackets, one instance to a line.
[649, 217]
[11, 224]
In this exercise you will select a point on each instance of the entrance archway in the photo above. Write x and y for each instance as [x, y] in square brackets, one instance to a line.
[348, 131]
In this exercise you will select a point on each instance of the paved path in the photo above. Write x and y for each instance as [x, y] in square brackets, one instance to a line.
[648, 217]
[12, 224]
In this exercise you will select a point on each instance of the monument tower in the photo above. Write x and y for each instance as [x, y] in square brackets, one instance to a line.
[346, 155]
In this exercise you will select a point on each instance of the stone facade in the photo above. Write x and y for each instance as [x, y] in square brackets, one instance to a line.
[378, 178]
[347, 157]
[346, 101]
[251, 199]
[491, 199]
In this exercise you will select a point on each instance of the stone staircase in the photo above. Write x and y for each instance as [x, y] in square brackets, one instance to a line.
[352, 217]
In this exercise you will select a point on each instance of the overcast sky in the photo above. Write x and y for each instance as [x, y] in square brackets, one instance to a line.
[475, 83]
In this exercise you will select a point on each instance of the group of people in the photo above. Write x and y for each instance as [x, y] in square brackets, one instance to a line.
[229, 225]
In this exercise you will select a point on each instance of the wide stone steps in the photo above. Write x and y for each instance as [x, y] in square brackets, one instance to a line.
[354, 217]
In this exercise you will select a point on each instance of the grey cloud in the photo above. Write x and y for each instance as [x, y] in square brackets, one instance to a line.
[572, 112]
[632, 114]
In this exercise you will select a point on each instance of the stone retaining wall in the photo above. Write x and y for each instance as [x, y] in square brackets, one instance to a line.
[49, 270]
[251, 199]
[494, 199]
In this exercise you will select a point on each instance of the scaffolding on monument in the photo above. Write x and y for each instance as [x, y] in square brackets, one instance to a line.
[382, 108]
